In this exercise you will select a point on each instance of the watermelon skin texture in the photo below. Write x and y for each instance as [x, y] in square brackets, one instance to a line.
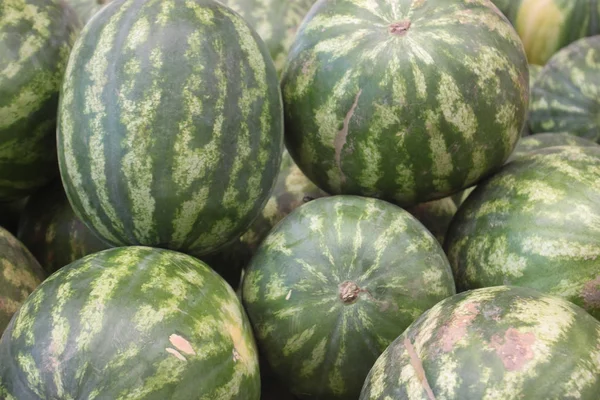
[495, 343]
[37, 36]
[276, 21]
[545, 140]
[407, 101]
[52, 232]
[169, 135]
[546, 26]
[20, 274]
[131, 323]
[564, 98]
[435, 215]
[533, 225]
[333, 284]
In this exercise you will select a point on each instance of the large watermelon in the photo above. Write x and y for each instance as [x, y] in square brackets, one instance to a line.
[170, 126]
[566, 97]
[546, 26]
[333, 284]
[130, 323]
[404, 100]
[86, 9]
[35, 40]
[494, 343]
[275, 21]
[536, 224]
[20, 274]
[51, 231]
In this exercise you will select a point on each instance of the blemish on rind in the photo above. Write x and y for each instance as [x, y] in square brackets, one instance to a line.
[417, 365]
[181, 344]
[515, 349]
[341, 137]
[175, 353]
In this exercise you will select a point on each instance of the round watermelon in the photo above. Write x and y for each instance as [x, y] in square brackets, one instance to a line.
[565, 96]
[86, 9]
[51, 231]
[131, 323]
[534, 224]
[275, 21]
[35, 39]
[546, 26]
[407, 101]
[20, 274]
[170, 125]
[333, 284]
[503, 342]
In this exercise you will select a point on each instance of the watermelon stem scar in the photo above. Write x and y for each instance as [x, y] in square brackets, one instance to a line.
[400, 28]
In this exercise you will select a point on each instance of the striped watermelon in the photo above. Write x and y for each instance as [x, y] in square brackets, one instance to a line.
[130, 323]
[404, 100]
[333, 284]
[275, 21]
[51, 231]
[20, 274]
[86, 9]
[35, 39]
[170, 125]
[494, 343]
[546, 26]
[565, 97]
[534, 224]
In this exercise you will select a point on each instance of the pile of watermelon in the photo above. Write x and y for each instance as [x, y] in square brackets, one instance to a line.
[330, 200]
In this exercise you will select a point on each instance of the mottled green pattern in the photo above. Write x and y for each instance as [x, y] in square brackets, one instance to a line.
[131, 323]
[537, 224]
[534, 73]
[276, 21]
[52, 232]
[170, 125]
[404, 100]
[436, 215]
[20, 273]
[333, 284]
[566, 96]
[491, 344]
[546, 26]
[86, 9]
[543, 140]
[35, 40]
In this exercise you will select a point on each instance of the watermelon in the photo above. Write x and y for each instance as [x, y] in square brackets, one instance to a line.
[546, 26]
[333, 284]
[503, 342]
[565, 96]
[10, 214]
[436, 215]
[534, 224]
[86, 9]
[20, 274]
[51, 231]
[131, 323]
[407, 101]
[544, 140]
[174, 137]
[534, 73]
[36, 37]
[275, 21]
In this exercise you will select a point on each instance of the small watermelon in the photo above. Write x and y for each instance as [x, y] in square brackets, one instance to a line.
[503, 342]
[130, 323]
[333, 284]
